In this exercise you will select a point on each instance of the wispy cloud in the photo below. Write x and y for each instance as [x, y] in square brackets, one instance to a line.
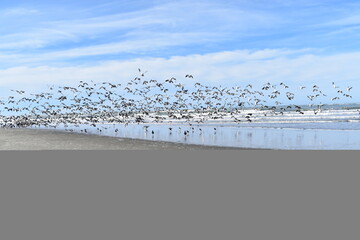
[159, 23]
[18, 12]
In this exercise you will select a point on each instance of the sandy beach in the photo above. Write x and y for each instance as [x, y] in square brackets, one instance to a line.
[34, 139]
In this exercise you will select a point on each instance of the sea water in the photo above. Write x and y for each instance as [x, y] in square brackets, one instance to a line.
[332, 129]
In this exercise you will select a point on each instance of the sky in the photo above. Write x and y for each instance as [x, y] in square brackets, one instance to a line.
[221, 42]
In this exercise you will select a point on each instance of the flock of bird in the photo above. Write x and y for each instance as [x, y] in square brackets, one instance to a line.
[143, 100]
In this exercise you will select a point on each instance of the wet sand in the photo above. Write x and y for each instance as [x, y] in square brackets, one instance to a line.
[35, 139]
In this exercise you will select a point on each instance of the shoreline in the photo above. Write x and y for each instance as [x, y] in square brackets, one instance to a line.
[46, 139]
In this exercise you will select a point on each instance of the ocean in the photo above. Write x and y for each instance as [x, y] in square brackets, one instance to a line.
[333, 127]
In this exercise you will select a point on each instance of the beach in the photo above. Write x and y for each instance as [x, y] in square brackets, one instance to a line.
[39, 139]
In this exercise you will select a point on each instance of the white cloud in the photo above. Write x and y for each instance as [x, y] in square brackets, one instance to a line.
[141, 45]
[233, 67]
[149, 43]
[18, 11]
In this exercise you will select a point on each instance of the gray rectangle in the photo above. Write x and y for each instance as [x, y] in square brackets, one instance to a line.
[179, 195]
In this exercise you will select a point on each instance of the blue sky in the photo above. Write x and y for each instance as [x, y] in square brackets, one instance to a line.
[218, 41]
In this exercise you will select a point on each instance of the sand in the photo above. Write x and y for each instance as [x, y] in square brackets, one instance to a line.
[35, 139]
